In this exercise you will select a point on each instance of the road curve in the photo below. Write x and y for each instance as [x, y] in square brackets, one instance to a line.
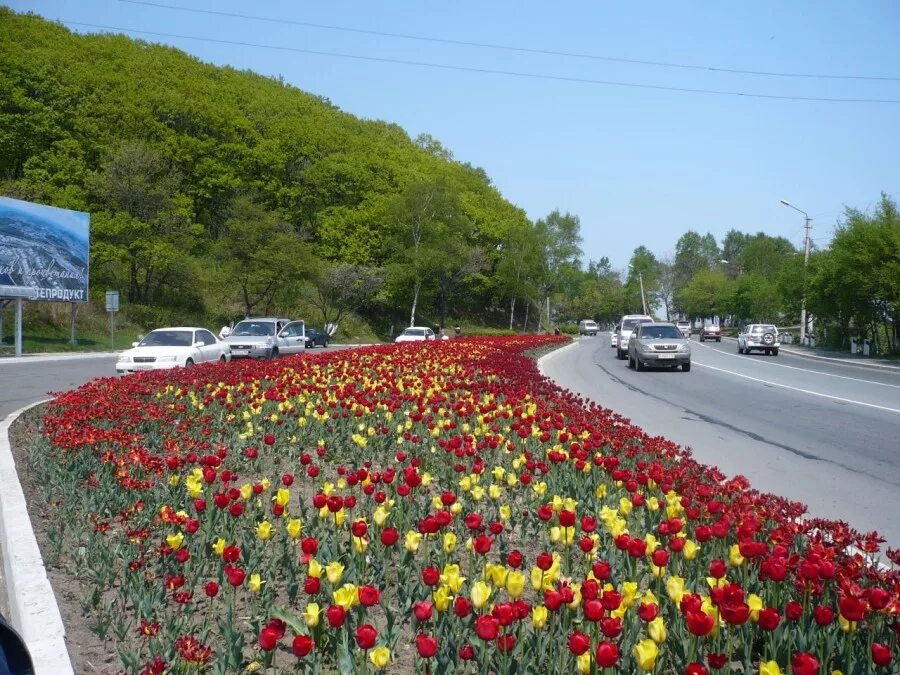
[822, 433]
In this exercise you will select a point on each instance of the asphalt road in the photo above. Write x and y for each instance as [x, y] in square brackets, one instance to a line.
[821, 433]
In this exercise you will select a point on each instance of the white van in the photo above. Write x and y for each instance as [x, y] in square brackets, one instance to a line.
[588, 327]
[626, 325]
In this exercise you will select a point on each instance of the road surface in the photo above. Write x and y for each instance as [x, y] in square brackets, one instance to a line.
[818, 432]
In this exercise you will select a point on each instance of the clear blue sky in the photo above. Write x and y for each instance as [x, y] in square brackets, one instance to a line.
[637, 166]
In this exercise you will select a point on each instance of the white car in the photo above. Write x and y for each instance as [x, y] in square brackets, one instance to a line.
[416, 334]
[614, 337]
[176, 347]
[762, 337]
[626, 326]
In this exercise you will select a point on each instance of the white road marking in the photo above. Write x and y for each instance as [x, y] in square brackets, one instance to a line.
[805, 370]
[802, 391]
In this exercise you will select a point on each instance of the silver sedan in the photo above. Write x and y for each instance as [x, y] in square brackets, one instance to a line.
[658, 344]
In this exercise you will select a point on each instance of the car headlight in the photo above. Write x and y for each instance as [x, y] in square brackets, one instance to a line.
[645, 348]
[270, 341]
[165, 359]
[684, 348]
[124, 359]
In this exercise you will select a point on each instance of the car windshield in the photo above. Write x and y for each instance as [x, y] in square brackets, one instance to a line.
[414, 331]
[763, 329]
[167, 338]
[660, 333]
[256, 328]
[629, 324]
[684, 323]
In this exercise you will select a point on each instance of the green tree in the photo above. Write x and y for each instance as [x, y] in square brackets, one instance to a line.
[261, 257]
[560, 238]
[642, 269]
[705, 295]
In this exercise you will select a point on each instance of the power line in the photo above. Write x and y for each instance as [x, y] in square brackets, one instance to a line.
[512, 48]
[487, 71]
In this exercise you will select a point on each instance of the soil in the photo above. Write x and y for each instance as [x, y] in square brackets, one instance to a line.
[86, 651]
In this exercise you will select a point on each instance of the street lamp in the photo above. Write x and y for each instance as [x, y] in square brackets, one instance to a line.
[805, 264]
[641, 279]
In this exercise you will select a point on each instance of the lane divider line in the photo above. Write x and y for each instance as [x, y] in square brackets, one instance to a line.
[799, 389]
[804, 370]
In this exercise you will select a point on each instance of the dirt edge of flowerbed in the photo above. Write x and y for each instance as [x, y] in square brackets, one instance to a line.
[54, 630]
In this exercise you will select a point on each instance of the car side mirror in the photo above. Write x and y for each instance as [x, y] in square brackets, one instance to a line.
[135, 344]
[199, 343]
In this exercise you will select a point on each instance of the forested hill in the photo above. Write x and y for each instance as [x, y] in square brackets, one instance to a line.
[180, 161]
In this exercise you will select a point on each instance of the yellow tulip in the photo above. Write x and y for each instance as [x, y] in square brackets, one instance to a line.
[340, 517]
[315, 569]
[334, 571]
[282, 497]
[657, 630]
[380, 657]
[600, 492]
[450, 577]
[495, 491]
[769, 668]
[477, 493]
[266, 483]
[625, 506]
[246, 491]
[480, 594]
[194, 486]
[442, 598]
[675, 589]
[456, 508]
[174, 479]
[583, 662]
[219, 546]
[515, 584]
[311, 614]
[505, 511]
[294, 528]
[449, 542]
[346, 596]
[645, 652]
[539, 488]
[734, 556]
[380, 515]
[264, 530]
[412, 541]
[175, 540]
[629, 593]
[846, 626]
[255, 583]
[755, 603]
[539, 617]
[498, 472]
[690, 549]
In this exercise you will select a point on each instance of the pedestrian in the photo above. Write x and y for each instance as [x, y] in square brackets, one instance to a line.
[556, 331]
[457, 330]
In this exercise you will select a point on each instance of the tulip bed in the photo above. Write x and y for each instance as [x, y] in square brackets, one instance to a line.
[433, 508]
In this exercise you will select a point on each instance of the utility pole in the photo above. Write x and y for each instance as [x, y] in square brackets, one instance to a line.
[807, 226]
[643, 299]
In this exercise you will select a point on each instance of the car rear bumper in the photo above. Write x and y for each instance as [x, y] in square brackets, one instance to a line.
[126, 368]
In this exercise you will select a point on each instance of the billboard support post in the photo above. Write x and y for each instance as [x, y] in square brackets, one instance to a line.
[18, 326]
[72, 309]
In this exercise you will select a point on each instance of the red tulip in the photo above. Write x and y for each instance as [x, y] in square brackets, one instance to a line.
[487, 627]
[804, 663]
[426, 645]
[579, 643]
[607, 654]
[336, 616]
[365, 635]
[302, 646]
[881, 655]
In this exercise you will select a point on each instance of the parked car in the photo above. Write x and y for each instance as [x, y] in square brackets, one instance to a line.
[614, 336]
[292, 339]
[416, 334]
[315, 337]
[178, 346]
[658, 344]
[711, 331]
[684, 327]
[588, 327]
[626, 325]
[256, 337]
[761, 336]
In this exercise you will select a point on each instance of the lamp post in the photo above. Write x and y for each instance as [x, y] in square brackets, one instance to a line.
[807, 226]
[641, 279]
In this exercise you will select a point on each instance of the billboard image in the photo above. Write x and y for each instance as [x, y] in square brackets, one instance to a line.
[45, 248]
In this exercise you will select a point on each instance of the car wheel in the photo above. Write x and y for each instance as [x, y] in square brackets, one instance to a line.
[701, 338]
[718, 339]
[619, 354]
[274, 353]
[222, 359]
[638, 365]
[774, 352]
[631, 363]
[686, 366]
[740, 349]
[767, 351]
[189, 363]
[768, 338]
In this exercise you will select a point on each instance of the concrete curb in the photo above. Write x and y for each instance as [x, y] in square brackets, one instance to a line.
[32, 604]
[59, 356]
[846, 362]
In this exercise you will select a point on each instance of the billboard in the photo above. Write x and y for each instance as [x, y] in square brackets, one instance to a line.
[44, 248]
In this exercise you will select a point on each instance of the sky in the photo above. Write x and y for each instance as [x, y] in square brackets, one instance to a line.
[639, 166]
